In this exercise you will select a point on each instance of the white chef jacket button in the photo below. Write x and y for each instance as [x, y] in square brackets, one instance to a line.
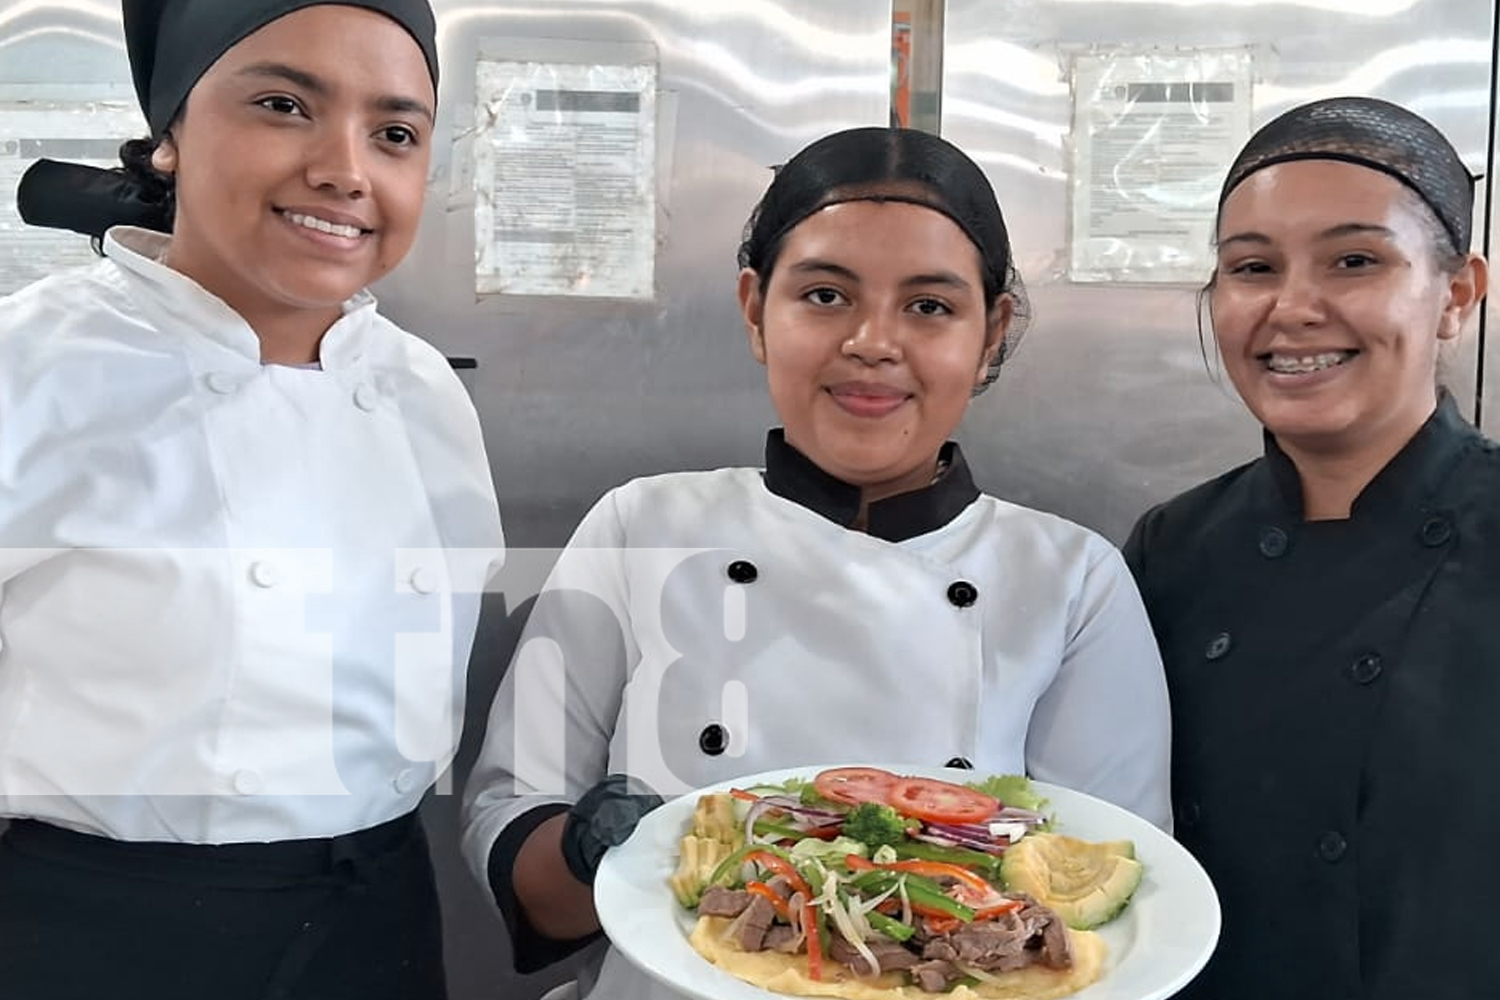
[248, 782]
[962, 593]
[221, 382]
[406, 780]
[365, 397]
[423, 580]
[714, 739]
[742, 571]
[263, 574]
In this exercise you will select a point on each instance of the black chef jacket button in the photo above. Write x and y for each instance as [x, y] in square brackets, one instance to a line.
[1187, 813]
[1436, 530]
[741, 571]
[1365, 669]
[960, 762]
[962, 593]
[714, 739]
[1218, 646]
[1331, 846]
[1273, 543]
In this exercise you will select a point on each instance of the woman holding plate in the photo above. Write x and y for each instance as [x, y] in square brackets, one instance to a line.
[1326, 611]
[857, 599]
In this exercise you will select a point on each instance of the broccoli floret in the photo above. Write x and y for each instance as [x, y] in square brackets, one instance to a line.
[875, 825]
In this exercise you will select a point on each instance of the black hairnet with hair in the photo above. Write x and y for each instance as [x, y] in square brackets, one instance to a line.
[891, 164]
[1370, 133]
[171, 44]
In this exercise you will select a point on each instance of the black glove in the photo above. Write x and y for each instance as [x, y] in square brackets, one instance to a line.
[605, 816]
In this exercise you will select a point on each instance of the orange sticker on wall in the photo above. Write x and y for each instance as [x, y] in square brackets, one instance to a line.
[901, 69]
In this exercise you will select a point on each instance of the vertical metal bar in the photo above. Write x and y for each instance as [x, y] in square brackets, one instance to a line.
[1489, 202]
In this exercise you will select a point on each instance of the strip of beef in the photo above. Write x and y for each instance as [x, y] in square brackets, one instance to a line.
[994, 945]
[939, 949]
[754, 923]
[1013, 941]
[721, 902]
[783, 939]
[1057, 949]
[889, 954]
[935, 977]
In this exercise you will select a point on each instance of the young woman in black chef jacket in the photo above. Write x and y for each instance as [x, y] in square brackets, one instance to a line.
[1326, 612]
[244, 523]
[857, 599]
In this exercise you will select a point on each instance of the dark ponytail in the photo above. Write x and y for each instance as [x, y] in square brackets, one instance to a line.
[90, 200]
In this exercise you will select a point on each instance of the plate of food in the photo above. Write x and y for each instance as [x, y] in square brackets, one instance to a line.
[895, 883]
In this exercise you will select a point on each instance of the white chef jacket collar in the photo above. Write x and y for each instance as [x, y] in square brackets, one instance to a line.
[793, 476]
[1409, 481]
[174, 302]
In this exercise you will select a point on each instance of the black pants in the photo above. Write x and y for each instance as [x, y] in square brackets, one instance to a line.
[347, 918]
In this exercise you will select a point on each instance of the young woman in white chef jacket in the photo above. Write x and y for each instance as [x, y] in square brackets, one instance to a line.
[858, 598]
[244, 524]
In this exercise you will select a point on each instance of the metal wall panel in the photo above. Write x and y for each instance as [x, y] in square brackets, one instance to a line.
[1108, 407]
[577, 396]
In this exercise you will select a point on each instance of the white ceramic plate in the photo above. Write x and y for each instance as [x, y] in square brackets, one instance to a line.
[1156, 946]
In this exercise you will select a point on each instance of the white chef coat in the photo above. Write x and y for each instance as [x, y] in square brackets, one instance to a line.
[702, 611]
[236, 601]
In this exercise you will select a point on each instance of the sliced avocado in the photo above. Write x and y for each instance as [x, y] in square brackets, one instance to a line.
[715, 818]
[696, 861]
[1086, 884]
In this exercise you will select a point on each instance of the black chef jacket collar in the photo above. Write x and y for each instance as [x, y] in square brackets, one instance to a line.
[1407, 482]
[793, 476]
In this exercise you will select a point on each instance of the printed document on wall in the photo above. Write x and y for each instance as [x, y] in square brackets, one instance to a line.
[62, 122]
[565, 179]
[1153, 134]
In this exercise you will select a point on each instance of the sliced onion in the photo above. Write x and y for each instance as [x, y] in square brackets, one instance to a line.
[758, 808]
[808, 814]
[979, 974]
[1015, 814]
[987, 844]
[846, 928]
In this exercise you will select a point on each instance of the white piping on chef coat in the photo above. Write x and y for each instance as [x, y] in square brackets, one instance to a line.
[852, 650]
[236, 601]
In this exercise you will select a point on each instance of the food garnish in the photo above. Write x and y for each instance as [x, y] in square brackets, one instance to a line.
[891, 881]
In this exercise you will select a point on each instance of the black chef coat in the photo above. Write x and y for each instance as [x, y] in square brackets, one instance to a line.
[1336, 720]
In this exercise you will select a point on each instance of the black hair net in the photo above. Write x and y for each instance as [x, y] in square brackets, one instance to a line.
[1370, 133]
[892, 164]
[171, 44]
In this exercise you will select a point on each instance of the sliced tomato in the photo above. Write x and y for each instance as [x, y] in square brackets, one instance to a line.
[940, 801]
[853, 785]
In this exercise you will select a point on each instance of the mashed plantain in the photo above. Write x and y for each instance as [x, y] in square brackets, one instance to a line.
[781, 973]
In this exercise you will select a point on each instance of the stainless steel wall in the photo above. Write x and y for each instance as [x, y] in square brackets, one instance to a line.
[1108, 407]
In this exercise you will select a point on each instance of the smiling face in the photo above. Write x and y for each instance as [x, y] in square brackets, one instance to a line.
[301, 159]
[1329, 302]
[874, 332]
